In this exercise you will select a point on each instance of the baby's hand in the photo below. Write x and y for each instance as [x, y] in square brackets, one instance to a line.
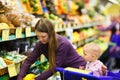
[104, 69]
[82, 67]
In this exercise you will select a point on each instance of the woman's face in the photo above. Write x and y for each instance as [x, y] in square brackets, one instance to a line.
[42, 37]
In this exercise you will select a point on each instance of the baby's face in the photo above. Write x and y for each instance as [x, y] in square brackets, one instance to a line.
[88, 56]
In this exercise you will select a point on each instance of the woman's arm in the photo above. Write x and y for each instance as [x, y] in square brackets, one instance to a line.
[108, 27]
[29, 61]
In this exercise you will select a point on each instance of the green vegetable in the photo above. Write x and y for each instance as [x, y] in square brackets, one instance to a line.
[24, 1]
[35, 8]
[35, 1]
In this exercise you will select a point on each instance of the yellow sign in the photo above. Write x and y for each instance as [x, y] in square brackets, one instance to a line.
[69, 24]
[64, 26]
[12, 70]
[56, 27]
[17, 66]
[28, 31]
[42, 58]
[5, 34]
[18, 32]
[60, 26]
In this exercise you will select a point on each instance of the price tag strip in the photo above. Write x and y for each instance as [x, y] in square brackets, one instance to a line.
[28, 31]
[5, 34]
[18, 32]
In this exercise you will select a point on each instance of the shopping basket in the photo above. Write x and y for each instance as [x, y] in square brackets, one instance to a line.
[71, 75]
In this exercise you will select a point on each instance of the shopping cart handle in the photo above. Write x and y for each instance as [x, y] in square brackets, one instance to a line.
[59, 69]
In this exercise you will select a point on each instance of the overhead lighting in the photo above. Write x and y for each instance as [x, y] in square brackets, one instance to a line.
[114, 1]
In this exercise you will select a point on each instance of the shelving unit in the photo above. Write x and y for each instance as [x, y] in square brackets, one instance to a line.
[16, 33]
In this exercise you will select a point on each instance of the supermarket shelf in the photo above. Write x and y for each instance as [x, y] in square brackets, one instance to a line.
[91, 38]
[63, 27]
[18, 33]
[87, 40]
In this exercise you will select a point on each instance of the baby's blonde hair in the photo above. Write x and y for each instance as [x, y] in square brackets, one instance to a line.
[92, 48]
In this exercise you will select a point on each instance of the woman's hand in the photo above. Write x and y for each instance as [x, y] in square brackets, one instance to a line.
[82, 67]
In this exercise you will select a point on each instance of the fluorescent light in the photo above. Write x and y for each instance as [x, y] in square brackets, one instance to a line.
[114, 1]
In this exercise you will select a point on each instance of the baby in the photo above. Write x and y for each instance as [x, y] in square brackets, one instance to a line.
[91, 54]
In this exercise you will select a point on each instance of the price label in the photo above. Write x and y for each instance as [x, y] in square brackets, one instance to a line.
[28, 31]
[56, 27]
[5, 35]
[60, 26]
[18, 32]
[42, 58]
[74, 25]
[12, 70]
[64, 26]
[68, 24]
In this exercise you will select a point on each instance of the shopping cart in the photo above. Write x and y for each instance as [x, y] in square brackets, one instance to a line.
[71, 75]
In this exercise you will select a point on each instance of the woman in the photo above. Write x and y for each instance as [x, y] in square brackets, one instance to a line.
[111, 53]
[57, 49]
[111, 27]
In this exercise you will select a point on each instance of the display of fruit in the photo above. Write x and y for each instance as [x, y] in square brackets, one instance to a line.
[80, 51]
[102, 43]
[26, 5]
[90, 32]
[82, 35]
[91, 13]
[61, 6]
[20, 18]
[4, 19]
[75, 36]
[4, 26]
[32, 6]
[43, 66]
[53, 18]
[73, 7]
[51, 7]
[4, 6]
[85, 33]
[84, 18]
